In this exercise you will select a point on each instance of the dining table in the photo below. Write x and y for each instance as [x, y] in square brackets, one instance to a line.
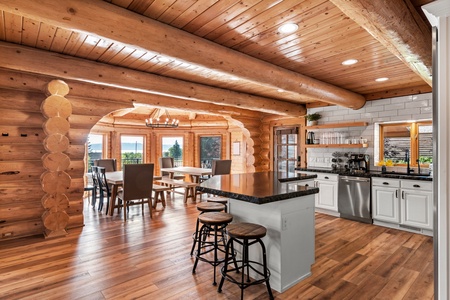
[115, 179]
[193, 172]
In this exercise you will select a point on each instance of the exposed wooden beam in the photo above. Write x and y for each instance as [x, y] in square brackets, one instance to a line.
[83, 16]
[396, 25]
[66, 67]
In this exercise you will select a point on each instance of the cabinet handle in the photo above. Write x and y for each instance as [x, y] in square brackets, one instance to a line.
[403, 195]
[416, 185]
[386, 183]
[326, 177]
[396, 194]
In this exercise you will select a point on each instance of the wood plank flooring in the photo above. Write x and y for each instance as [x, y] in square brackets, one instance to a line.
[149, 259]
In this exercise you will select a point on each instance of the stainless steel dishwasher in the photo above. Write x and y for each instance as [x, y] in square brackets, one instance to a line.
[354, 201]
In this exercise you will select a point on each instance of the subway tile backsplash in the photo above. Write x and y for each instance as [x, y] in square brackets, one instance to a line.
[416, 107]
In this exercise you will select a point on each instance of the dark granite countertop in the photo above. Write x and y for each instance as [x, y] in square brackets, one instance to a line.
[369, 174]
[259, 187]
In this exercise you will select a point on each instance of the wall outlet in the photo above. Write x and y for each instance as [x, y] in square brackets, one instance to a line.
[284, 223]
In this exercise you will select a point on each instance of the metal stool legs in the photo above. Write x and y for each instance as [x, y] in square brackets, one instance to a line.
[246, 265]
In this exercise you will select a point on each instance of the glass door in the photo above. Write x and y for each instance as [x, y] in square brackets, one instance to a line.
[286, 149]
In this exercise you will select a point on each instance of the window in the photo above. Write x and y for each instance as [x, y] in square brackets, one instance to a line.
[210, 148]
[173, 147]
[94, 149]
[132, 149]
[400, 140]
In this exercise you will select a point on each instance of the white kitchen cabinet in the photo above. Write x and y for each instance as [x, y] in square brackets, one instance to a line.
[403, 204]
[385, 201]
[417, 204]
[326, 199]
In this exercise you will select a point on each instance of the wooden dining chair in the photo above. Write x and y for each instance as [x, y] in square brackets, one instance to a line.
[137, 186]
[104, 188]
[110, 164]
[221, 167]
[167, 162]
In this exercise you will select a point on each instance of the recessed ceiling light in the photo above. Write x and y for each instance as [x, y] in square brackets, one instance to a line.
[349, 62]
[382, 79]
[288, 28]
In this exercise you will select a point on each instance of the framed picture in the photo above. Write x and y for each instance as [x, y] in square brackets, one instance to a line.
[236, 148]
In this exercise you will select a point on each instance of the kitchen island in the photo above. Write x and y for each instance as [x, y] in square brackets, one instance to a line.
[281, 203]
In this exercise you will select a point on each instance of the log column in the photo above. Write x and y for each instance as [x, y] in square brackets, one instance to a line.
[55, 181]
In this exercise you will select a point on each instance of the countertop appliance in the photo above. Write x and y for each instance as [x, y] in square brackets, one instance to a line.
[354, 198]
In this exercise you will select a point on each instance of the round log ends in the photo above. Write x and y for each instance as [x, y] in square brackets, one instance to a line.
[55, 221]
[56, 143]
[58, 87]
[56, 106]
[55, 202]
[55, 182]
[55, 162]
[56, 125]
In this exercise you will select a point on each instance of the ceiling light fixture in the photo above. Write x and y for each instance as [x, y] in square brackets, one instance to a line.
[154, 120]
[288, 28]
[381, 79]
[349, 62]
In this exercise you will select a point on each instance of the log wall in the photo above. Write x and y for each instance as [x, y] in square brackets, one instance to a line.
[22, 137]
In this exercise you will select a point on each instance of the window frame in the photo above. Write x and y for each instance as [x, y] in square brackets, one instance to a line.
[144, 146]
[200, 145]
[413, 140]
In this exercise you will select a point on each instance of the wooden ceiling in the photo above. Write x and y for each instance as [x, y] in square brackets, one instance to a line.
[227, 52]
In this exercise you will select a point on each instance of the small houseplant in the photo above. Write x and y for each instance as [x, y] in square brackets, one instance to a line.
[313, 118]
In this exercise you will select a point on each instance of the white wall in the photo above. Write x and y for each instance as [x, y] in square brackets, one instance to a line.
[417, 107]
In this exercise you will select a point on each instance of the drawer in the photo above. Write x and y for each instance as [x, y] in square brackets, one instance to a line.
[417, 185]
[385, 182]
[326, 176]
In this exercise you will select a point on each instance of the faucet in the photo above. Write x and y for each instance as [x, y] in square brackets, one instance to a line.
[408, 169]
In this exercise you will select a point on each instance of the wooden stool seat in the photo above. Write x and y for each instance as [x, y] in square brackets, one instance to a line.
[210, 207]
[222, 200]
[215, 218]
[246, 231]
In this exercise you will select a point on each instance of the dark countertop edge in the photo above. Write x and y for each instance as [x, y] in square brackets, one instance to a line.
[259, 200]
[298, 177]
[368, 175]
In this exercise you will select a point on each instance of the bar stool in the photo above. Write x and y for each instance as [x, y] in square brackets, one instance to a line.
[213, 223]
[245, 232]
[204, 207]
[221, 200]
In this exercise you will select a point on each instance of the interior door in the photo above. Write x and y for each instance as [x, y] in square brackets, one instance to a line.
[286, 149]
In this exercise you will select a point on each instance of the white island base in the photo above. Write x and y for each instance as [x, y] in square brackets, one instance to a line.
[289, 240]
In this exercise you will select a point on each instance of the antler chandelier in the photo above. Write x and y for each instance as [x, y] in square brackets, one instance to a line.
[158, 120]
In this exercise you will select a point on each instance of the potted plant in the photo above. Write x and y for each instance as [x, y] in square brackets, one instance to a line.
[312, 118]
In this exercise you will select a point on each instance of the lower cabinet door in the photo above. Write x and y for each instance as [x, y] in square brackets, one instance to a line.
[417, 208]
[327, 196]
[385, 204]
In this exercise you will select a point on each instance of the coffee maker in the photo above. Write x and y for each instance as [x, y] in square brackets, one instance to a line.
[359, 163]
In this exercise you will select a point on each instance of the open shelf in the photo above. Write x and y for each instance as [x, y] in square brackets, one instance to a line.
[337, 146]
[337, 125]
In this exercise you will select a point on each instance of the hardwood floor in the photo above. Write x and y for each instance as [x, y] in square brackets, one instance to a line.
[149, 259]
